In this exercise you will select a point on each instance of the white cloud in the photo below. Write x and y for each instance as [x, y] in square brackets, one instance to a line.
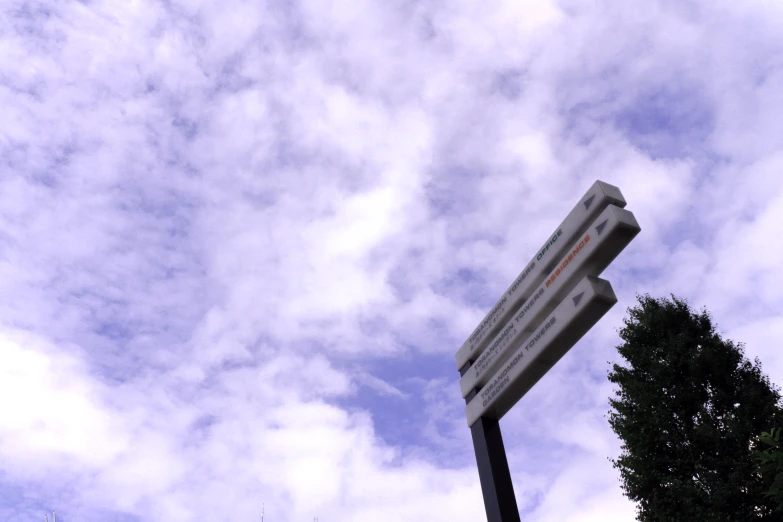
[52, 413]
[215, 219]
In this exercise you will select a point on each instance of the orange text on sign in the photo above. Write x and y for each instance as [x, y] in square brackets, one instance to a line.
[567, 260]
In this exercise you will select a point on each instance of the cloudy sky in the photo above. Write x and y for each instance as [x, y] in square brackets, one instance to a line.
[240, 242]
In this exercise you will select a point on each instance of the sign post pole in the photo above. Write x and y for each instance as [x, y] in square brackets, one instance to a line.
[494, 475]
[500, 503]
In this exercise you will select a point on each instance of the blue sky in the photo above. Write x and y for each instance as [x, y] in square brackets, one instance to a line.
[240, 242]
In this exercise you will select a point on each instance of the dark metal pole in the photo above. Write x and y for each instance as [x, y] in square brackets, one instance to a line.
[494, 475]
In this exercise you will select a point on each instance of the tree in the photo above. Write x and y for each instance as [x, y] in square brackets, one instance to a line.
[770, 461]
[688, 409]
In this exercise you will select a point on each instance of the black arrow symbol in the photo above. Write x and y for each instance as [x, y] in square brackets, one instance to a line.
[600, 228]
[578, 298]
[589, 202]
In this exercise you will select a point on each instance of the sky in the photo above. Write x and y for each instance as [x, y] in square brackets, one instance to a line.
[240, 242]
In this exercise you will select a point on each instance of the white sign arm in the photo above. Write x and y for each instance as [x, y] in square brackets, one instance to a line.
[584, 306]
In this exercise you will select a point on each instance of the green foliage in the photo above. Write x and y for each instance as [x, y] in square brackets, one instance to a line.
[687, 409]
[770, 461]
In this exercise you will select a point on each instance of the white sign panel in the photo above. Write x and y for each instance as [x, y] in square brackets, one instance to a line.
[590, 299]
[590, 254]
[594, 201]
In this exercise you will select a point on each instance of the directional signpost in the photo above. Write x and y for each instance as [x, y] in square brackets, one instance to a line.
[554, 301]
